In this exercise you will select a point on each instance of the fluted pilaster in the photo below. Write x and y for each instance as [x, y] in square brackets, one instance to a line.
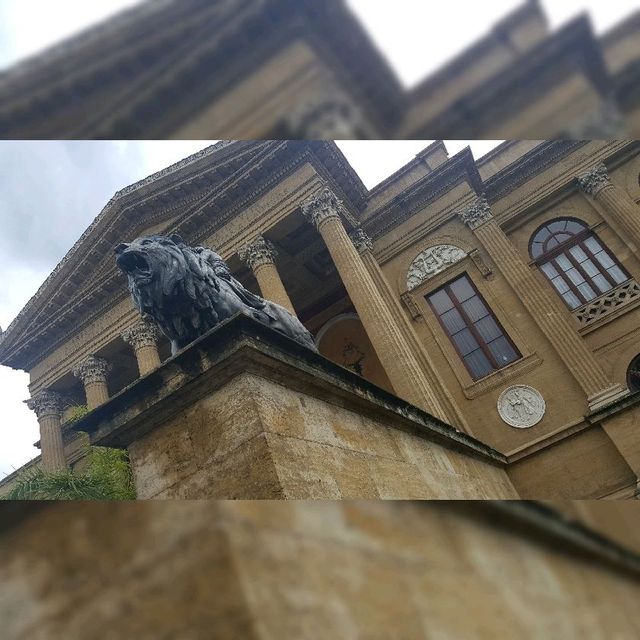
[616, 205]
[445, 408]
[545, 309]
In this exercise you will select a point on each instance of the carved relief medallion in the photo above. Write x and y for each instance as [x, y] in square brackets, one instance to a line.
[431, 261]
[521, 406]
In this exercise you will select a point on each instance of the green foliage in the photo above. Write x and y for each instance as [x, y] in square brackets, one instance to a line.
[77, 412]
[107, 476]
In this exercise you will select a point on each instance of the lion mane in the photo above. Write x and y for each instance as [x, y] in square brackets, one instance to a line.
[187, 290]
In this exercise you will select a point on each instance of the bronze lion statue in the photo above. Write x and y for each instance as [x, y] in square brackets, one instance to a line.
[187, 291]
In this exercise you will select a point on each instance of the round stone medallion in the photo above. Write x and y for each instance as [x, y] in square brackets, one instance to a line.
[521, 406]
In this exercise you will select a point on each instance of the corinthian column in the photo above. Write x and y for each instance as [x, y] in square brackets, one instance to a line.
[545, 309]
[615, 203]
[445, 408]
[259, 255]
[143, 337]
[93, 373]
[47, 406]
[395, 355]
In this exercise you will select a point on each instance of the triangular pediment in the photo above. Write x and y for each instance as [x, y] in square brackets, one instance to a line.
[206, 188]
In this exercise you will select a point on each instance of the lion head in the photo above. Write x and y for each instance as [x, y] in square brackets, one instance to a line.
[171, 284]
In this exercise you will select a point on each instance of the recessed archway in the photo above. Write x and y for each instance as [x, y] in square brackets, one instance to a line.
[633, 375]
[344, 341]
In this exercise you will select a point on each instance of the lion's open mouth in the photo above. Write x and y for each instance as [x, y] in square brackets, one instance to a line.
[133, 263]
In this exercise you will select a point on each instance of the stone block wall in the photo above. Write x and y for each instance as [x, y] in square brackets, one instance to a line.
[268, 570]
[255, 438]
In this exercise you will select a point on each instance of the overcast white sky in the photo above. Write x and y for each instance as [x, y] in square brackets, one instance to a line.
[416, 36]
[50, 192]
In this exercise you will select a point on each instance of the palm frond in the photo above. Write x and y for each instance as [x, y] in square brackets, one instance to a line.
[107, 477]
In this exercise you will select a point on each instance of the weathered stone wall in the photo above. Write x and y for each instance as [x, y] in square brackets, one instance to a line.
[120, 571]
[299, 570]
[254, 438]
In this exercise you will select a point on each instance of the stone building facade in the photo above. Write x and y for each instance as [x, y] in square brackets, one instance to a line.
[306, 69]
[497, 295]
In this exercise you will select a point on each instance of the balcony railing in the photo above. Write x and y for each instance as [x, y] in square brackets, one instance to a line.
[608, 303]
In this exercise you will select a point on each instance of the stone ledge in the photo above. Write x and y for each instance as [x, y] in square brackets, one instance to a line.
[536, 519]
[242, 344]
[620, 405]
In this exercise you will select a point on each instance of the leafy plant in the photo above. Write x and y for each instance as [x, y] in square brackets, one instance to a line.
[76, 412]
[107, 476]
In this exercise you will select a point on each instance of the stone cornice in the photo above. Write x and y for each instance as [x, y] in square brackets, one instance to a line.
[574, 47]
[542, 157]
[561, 180]
[459, 168]
[279, 161]
[201, 33]
[158, 33]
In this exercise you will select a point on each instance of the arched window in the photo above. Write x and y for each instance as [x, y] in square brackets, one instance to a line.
[575, 261]
[633, 375]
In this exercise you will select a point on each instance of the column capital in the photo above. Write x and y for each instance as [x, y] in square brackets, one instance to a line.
[92, 370]
[476, 213]
[361, 241]
[141, 334]
[258, 252]
[325, 117]
[46, 403]
[594, 180]
[321, 206]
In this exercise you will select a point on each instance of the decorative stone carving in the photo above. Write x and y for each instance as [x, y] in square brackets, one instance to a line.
[320, 206]
[92, 370]
[432, 261]
[594, 180]
[607, 303]
[521, 406]
[46, 403]
[478, 260]
[361, 240]
[411, 305]
[605, 123]
[477, 213]
[188, 291]
[257, 253]
[333, 119]
[353, 357]
[142, 334]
